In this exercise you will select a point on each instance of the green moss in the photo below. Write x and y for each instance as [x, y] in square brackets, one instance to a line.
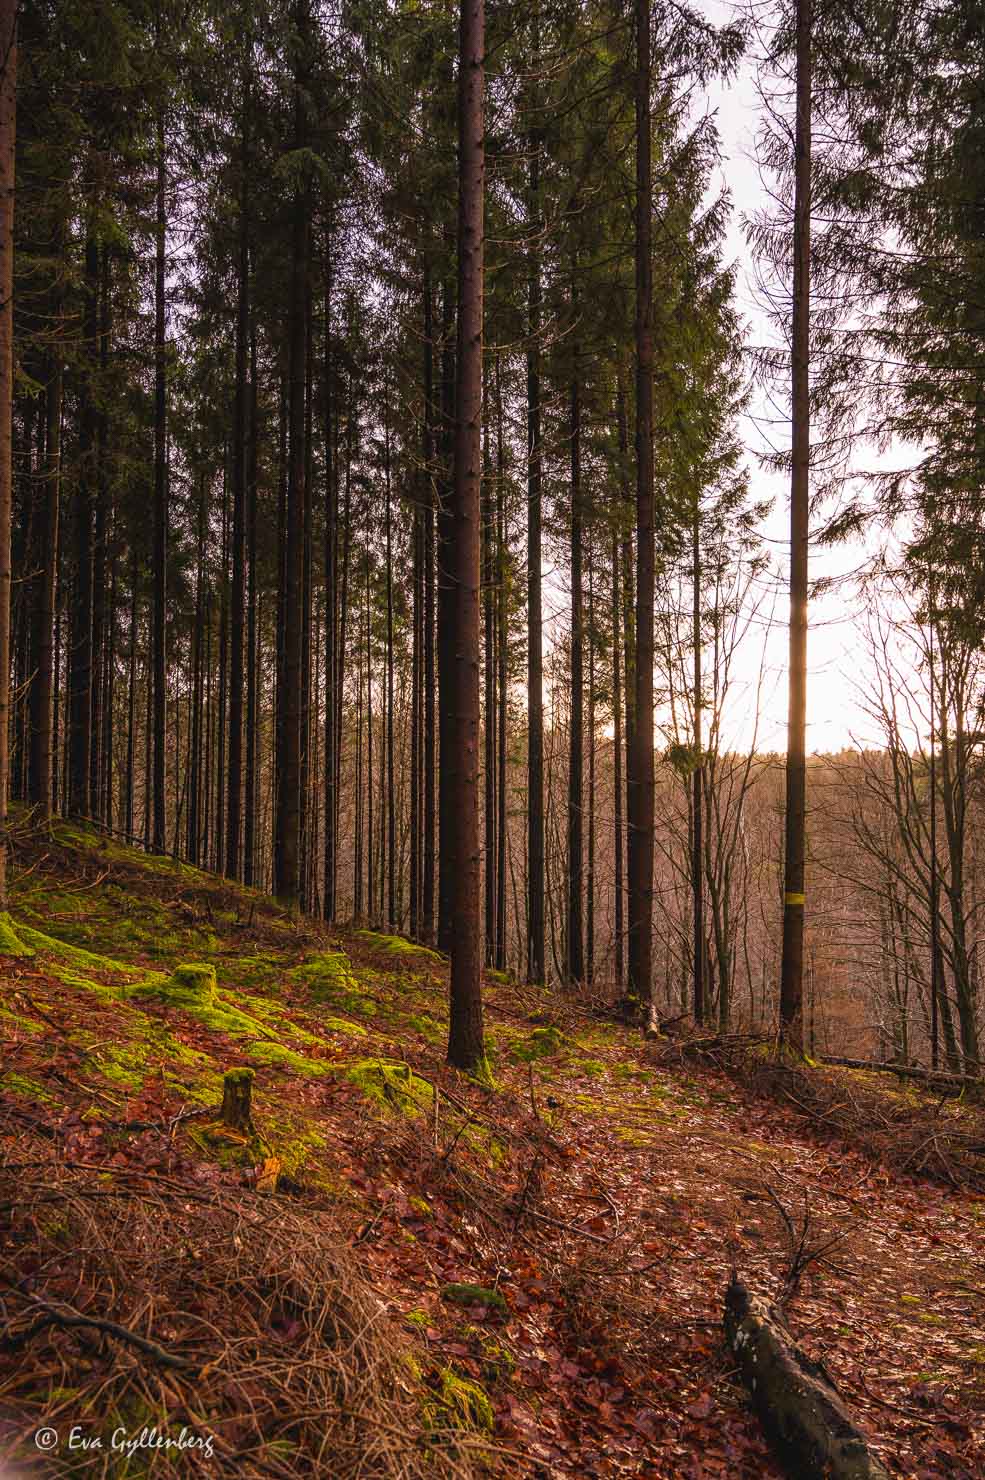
[330, 979]
[419, 1319]
[421, 1206]
[10, 942]
[428, 1027]
[458, 1294]
[397, 945]
[22, 1084]
[587, 1068]
[286, 1058]
[75, 956]
[498, 1362]
[542, 1043]
[26, 1024]
[193, 989]
[457, 1403]
[392, 1084]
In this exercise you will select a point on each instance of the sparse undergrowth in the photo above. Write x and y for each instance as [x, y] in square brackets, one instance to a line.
[520, 1274]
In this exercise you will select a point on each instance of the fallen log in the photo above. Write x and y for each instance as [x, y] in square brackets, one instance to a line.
[802, 1413]
[905, 1071]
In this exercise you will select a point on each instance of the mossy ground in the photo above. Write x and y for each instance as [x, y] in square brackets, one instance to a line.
[148, 981]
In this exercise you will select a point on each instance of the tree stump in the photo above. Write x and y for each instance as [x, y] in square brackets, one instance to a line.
[805, 1419]
[237, 1101]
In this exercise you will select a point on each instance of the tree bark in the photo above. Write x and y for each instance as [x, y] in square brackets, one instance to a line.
[159, 642]
[428, 657]
[574, 934]
[238, 595]
[43, 615]
[617, 784]
[287, 834]
[8, 134]
[465, 1040]
[697, 798]
[792, 963]
[640, 808]
[536, 941]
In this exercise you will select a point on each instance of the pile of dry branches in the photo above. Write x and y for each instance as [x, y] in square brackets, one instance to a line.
[919, 1133]
[133, 1301]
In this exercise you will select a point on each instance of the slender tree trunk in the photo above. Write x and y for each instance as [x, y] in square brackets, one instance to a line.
[617, 761]
[590, 875]
[465, 1040]
[344, 592]
[194, 825]
[252, 655]
[43, 616]
[574, 934]
[536, 947]
[489, 689]
[370, 878]
[430, 684]
[792, 964]
[416, 717]
[8, 134]
[448, 637]
[159, 644]
[131, 705]
[287, 833]
[238, 594]
[331, 603]
[391, 796]
[700, 1004]
[305, 766]
[80, 630]
[640, 810]
[502, 676]
[100, 601]
[219, 839]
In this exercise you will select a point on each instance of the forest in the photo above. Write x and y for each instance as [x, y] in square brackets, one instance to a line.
[486, 981]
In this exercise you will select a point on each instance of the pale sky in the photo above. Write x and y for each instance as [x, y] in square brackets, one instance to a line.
[833, 651]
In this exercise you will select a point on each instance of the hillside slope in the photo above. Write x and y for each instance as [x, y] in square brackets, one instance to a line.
[393, 1269]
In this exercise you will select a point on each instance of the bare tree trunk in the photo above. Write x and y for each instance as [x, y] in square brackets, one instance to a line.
[332, 698]
[536, 945]
[8, 134]
[465, 1041]
[697, 798]
[427, 803]
[287, 831]
[792, 964]
[159, 642]
[391, 798]
[617, 760]
[503, 677]
[43, 616]
[252, 801]
[80, 627]
[574, 934]
[640, 810]
[489, 688]
[238, 596]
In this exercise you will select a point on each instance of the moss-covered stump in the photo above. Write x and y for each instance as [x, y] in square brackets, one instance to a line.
[193, 985]
[237, 1101]
[804, 1416]
[10, 942]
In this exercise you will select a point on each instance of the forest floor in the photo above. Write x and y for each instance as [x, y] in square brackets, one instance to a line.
[400, 1270]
